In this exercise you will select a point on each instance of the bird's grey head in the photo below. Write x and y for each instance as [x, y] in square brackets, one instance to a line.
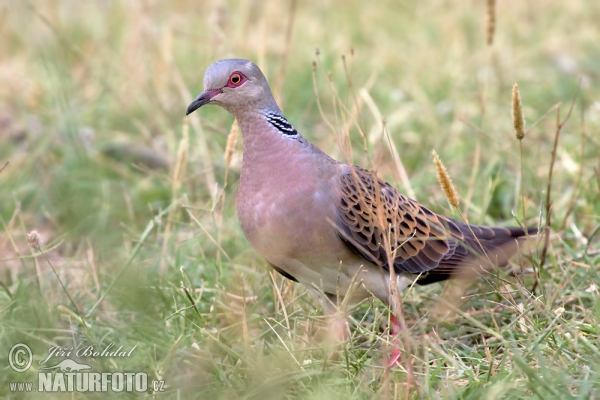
[235, 85]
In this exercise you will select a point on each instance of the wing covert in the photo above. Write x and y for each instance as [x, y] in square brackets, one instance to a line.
[373, 215]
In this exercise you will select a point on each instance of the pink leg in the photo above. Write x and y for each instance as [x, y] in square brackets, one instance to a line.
[396, 326]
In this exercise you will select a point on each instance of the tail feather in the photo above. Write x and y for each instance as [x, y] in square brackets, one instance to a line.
[483, 248]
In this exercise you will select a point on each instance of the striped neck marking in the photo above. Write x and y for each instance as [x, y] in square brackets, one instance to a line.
[280, 123]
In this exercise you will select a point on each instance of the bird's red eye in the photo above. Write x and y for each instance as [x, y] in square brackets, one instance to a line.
[235, 79]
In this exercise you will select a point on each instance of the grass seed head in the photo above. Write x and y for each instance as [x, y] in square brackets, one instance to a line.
[491, 21]
[445, 181]
[34, 239]
[231, 141]
[517, 113]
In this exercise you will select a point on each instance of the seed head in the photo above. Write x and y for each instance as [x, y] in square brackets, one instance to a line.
[491, 21]
[517, 113]
[231, 141]
[445, 181]
[34, 239]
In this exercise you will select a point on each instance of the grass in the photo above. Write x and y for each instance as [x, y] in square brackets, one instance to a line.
[139, 222]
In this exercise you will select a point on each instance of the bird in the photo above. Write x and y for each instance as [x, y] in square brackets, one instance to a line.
[335, 228]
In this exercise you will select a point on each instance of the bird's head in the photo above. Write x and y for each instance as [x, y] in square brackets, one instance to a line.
[234, 84]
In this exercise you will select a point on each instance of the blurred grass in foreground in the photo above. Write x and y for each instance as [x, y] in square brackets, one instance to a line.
[91, 119]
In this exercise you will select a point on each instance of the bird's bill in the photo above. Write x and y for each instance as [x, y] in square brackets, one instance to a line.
[202, 99]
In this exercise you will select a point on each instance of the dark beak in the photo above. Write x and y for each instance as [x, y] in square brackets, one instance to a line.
[202, 99]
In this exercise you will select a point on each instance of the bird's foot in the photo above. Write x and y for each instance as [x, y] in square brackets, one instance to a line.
[395, 359]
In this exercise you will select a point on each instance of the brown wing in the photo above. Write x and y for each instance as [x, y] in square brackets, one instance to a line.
[373, 215]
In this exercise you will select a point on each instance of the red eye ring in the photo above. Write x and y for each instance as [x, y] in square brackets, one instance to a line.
[235, 79]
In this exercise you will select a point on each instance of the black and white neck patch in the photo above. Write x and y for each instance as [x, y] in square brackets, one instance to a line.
[281, 124]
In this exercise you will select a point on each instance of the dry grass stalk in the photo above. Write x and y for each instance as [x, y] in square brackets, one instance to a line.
[396, 308]
[35, 241]
[573, 198]
[181, 158]
[400, 170]
[178, 172]
[316, 92]
[519, 124]
[201, 146]
[517, 113]
[559, 126]
[229, 149]
[491, 21]
[341, 112]
[445, 181]
[278, 300]
[244, 311]
[597, 173]
[231, 141]
[286, 49]
[218, 211]
[357, 109]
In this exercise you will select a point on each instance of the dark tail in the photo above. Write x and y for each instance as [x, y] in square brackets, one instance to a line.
[483, 248]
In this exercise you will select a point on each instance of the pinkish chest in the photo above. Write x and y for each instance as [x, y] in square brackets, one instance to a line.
[286, 200]
[283, 212]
